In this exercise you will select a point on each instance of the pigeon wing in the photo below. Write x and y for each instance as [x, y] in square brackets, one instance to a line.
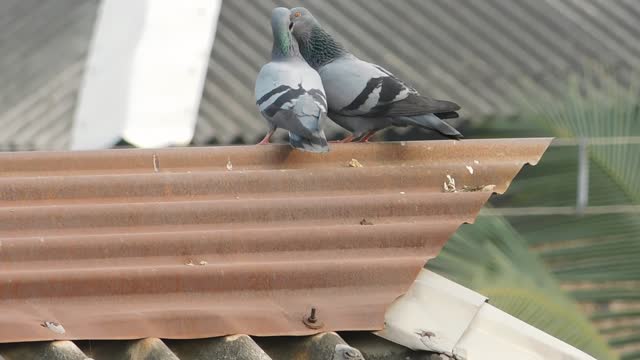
[292, 97]
[359, 88]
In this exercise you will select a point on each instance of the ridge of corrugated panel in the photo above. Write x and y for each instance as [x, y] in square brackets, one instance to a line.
[198, 242]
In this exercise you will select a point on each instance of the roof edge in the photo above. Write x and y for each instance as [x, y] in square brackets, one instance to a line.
[442, 316]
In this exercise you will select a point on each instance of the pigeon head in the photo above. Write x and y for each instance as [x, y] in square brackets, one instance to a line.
[316, 45]
[284, 45]
[302, 22]
[280, 18]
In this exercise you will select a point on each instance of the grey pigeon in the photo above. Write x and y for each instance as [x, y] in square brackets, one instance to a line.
[289, 92]
[363, 97]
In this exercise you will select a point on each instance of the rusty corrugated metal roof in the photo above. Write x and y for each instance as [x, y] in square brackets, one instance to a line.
[199, 242]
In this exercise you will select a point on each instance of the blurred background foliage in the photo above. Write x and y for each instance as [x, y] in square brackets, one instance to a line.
[573, 275]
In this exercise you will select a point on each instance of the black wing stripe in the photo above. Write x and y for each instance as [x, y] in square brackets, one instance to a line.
[372, 84]
[318, 96]
[390, 89]
[283, 99]
[268, 95]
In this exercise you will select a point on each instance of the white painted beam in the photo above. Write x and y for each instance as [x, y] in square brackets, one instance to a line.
[145, 72]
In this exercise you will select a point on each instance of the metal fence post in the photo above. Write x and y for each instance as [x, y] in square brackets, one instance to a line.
[582, 197]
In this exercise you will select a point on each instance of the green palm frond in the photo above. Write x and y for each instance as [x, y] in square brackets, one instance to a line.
[552, 270]
[595, 257]
[598, 106]
[492, 258]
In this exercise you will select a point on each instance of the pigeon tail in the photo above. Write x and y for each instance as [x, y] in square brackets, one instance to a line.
[432, 122]
[317, 143]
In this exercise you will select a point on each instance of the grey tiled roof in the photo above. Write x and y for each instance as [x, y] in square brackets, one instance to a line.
[239, 347]
[43, 45]
[472, 52]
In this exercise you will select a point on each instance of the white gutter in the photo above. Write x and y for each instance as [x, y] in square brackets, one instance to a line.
[441, 316]
[145, 73]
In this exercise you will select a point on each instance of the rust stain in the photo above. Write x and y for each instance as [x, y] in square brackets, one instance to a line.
[114, 248]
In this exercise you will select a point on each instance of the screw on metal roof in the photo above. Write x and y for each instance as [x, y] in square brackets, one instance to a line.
[311, 321]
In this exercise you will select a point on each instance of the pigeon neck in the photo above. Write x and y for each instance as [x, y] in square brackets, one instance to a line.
[319, 48]
[284, 46]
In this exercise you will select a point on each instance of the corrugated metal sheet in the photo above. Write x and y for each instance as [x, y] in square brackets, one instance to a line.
[472, 52]
[200, 242]
[42, 119]
[43, 46]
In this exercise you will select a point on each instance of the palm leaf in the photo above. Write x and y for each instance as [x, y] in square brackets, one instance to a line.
[492, 258]
[594, 257]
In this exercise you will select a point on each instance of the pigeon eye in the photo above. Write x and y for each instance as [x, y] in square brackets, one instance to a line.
[297, 14]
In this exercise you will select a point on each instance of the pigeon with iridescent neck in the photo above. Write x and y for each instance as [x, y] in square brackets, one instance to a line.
[289, 92]
[363, 97]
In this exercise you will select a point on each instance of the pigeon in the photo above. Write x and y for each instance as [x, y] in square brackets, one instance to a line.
[289, 93]
[364, 97]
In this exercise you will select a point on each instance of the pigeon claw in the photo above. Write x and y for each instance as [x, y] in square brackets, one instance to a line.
[367, 136]
[348, 139]
[267, 138]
